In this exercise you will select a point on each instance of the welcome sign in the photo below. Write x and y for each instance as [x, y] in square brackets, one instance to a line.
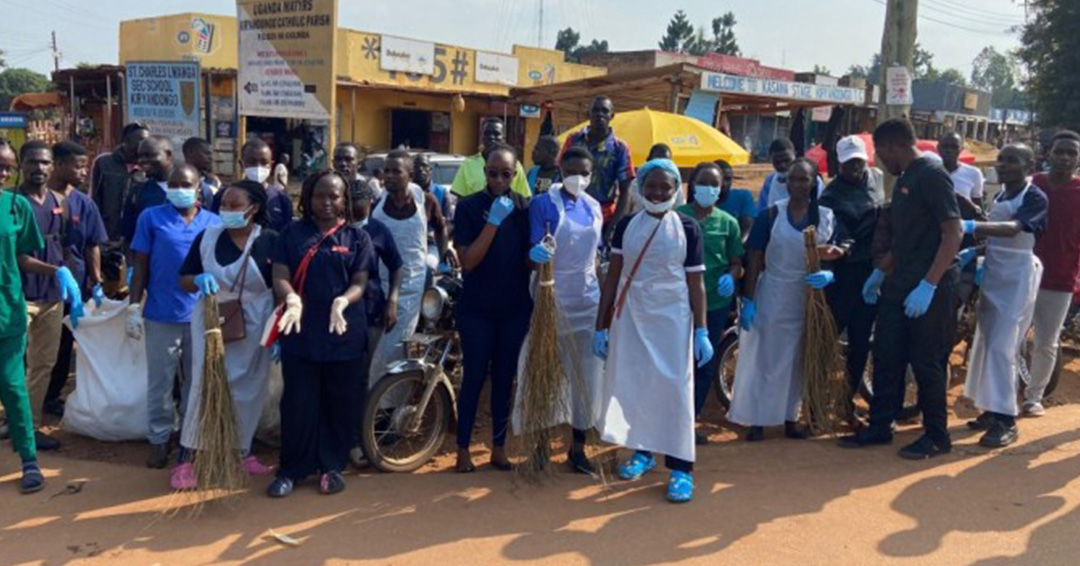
[827, 94]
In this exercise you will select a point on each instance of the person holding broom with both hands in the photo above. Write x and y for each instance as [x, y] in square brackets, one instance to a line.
[651, 327]
[769, 375]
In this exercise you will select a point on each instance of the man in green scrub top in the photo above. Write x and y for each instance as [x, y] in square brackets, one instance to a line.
[723, 265]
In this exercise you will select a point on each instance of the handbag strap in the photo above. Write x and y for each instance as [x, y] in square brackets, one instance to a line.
[300, 277]
[633, 271]
[243, 268]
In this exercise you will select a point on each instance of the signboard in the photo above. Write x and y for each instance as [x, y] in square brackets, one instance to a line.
[493, 68]
[971, 100]
[165, 97]
[702, 105]
[529, 111]
[898, 83]
[742, 66]
[13, 120]
[407, 55]
[287, 58]
[719, 82]
[822, 114]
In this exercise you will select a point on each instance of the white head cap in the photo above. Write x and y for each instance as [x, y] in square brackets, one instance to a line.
[851, 147]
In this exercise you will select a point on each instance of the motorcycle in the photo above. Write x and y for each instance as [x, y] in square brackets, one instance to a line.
[410, 409]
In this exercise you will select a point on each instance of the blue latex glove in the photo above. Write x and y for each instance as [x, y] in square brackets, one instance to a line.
[966, 255]
[820, 279]
[747, 313]
[703, 350]
[969, 226]
[275, 353]
[979, 275]
[76, 313]
[69, 289]
[600, 344]
[872, 286]
[130, 274]
[918, 301]
[541, 254]
[500, 209]
[98, 294]
[726, 286]
[207, 284]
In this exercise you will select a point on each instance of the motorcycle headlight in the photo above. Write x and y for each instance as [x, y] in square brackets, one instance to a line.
[431, 306]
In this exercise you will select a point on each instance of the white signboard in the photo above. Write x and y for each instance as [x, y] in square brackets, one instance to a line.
[406, 55]
[898, 83]
[753, 86]
[493, 68]
[166, 97]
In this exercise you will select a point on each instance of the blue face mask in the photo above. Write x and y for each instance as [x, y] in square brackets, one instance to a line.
[234, 218]
[705, 195]
[180, 198]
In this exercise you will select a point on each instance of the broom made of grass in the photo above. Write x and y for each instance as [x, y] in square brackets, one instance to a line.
[218, 465]
[826, 392]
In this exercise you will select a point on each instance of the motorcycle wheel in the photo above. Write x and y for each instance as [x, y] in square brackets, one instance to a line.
[725, 375]
[910, 409]
[387, 445]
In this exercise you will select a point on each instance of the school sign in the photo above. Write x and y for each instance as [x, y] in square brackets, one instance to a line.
[165, 96]
[803, 92]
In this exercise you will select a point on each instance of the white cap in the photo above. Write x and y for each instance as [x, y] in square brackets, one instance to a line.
[851, 147]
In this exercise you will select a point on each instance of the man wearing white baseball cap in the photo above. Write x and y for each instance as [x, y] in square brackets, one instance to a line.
[855, 196]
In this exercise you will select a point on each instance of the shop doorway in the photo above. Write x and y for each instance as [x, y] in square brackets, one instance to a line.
[420, 129]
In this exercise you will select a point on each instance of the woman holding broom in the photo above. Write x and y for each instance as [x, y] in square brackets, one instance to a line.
[768, 389]
[574, 222]
[232, 261]
[652, 315]
[321, 268]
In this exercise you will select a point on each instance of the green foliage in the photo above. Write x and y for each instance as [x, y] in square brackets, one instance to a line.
[999, 74]
[568, 40]
[953, 77]
[1050, 47]
[680, 34]
[723, 29]
[14, 82]
[682, 38]
[822, 70]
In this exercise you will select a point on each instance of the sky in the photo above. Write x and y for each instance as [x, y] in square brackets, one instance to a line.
[793, 34]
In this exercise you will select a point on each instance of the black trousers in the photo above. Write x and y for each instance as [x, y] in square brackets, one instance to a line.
[673, 463]
[853, 314]
[318, 414]
[62, 369]
[490, 345]
[924, 343]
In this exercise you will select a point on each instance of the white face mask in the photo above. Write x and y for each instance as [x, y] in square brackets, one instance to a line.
[658, 207]
[257, 174]
[576, 184]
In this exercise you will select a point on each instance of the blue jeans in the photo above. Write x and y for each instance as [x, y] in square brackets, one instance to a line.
[717, 321]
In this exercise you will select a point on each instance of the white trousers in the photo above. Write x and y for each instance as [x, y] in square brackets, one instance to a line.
[1051, 308]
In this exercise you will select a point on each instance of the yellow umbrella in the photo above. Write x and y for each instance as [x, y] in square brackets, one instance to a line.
[691, 140]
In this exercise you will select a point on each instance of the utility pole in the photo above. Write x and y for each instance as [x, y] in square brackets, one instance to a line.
[55, 53]
[540, 28]
[897, 49]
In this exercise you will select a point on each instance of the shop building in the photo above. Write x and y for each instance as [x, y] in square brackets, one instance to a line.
[942, 107]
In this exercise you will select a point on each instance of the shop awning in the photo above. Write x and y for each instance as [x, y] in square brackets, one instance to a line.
[36, 100]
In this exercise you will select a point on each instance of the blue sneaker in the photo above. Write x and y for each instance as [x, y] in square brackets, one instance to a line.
[637, 466]
[680, 487]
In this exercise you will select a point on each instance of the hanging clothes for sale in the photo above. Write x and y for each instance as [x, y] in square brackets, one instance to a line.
[577, 294]
[411, 238]
[1010, 284]
[768, 376]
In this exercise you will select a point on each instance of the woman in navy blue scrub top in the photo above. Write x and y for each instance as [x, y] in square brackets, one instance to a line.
[491, 234]
[324, 334]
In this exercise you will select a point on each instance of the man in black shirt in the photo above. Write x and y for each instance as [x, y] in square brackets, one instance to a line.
[113, 177]
[916, 322]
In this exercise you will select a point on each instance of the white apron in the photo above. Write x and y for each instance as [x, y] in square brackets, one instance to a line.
[577, 294]
[768, 374]
[246, 362]
[649, 377]
[1011, 276]
[410, 238]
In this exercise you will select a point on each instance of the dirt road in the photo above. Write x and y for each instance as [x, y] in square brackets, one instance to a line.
[777, 502]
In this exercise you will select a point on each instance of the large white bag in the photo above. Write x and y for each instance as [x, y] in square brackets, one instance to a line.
[109, 401]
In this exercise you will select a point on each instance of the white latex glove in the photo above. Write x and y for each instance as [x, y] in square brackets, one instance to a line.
[337, 316]
[134, 327]
[290, 321]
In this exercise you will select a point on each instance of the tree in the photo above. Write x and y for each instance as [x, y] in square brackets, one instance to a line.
[567, 42]
[869, 72]
[14, 82]
[822, 70]
[2, 62]
[924, 65]
[953, 77]
[723, 29]
[680, 34]
[1050, 47]
[996, 73]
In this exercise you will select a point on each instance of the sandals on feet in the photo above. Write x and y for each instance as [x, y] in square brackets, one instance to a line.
[680, 487]
[637, 466]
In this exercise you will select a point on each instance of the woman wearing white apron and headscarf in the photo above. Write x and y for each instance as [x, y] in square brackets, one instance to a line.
[410, 210]
[1010, 283]
[768, 376]
[574, 219]
[653, 301]
[233, 262]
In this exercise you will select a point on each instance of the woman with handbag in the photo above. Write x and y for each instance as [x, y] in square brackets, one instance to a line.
[653, 301]
[321, 268]
[231, 260]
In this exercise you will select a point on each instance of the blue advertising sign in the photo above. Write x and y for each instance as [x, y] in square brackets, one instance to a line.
[165, 97]
[753, 86]
[13, 120]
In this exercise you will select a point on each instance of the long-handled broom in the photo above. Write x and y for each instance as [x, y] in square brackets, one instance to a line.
[826, 393]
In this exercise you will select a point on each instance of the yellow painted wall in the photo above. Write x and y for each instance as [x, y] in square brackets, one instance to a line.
[177, 38]
[538, 66]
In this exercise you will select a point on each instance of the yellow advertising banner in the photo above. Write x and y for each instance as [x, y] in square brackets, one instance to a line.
[286, 55]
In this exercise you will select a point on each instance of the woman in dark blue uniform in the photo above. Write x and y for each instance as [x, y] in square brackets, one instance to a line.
[321, 268]
[491, 233]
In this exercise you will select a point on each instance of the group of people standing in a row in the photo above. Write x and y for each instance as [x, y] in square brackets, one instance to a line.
[342, 285]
